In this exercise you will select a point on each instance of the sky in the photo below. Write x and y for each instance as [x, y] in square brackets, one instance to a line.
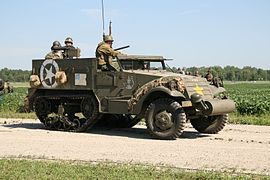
[191, 32]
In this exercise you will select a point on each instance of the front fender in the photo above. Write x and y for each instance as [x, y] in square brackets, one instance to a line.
[157, 92]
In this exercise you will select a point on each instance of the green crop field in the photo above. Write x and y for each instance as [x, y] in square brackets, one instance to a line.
[250, 98]
[252, 103]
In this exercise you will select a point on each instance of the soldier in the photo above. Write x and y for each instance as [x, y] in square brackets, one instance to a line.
[69, 47]
[197, 74]
[69, 43]
[209, 76]
[179, 70]
[105, 54]
[55, 54]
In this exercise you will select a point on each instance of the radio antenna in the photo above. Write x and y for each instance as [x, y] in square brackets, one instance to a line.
[103, 26]
[110, 28]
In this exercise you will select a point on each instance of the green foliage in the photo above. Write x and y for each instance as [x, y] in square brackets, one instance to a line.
[250, 98]
[13, 102]
[27, 169]
[231, 73]
[14, 75]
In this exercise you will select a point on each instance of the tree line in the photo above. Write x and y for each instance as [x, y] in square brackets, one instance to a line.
[231, 73]
[13, 75]
[228, 73]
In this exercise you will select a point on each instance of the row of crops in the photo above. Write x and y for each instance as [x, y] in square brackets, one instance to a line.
[250, 98]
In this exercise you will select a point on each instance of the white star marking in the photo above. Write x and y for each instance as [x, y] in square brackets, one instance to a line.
[49, 74]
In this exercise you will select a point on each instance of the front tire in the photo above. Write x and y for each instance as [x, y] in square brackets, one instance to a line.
[211, 124]
[165, 119]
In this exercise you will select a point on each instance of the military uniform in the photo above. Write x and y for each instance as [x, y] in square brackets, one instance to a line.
[105, 53]
[54, 55]
[209, 76]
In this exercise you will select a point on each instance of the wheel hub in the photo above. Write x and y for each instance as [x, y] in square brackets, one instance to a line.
[163, 120]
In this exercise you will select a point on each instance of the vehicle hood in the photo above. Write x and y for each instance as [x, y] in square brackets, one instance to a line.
[192, 84]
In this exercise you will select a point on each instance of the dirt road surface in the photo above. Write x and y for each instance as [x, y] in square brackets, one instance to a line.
[240, 148]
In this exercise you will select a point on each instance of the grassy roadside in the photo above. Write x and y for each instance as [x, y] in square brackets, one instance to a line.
[263, 120]
[7, 114]
[30, 169]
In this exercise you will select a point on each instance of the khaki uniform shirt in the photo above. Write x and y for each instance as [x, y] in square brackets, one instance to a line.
[54, 55]
[209, 77]
[105, 53]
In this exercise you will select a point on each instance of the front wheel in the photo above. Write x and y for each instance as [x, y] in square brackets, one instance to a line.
[165, 119]
[210, 124]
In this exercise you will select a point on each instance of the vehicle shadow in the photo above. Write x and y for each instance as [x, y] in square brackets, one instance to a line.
[187, 134]
[139, 133]
[135, 132]
[27, 125]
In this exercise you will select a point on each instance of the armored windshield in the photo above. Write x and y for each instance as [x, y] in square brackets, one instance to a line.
[131, 62]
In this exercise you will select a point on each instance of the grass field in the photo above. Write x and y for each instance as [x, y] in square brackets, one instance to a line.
[29, 169]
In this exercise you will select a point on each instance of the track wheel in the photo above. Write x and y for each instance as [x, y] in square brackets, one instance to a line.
[165, 119]
[210, 124]
[89, 109]
[42, 108]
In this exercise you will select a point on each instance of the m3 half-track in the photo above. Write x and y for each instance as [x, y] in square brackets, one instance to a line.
[73, 95]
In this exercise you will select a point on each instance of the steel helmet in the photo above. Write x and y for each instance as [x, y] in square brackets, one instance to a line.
[56, 44]
[108, 38]
[69, 40]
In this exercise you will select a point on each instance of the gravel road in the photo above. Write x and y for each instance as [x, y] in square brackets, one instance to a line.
[240, 148]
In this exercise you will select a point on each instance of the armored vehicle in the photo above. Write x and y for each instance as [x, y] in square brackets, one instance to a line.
[73, 95]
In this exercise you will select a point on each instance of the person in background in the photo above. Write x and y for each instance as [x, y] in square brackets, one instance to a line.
[209, 76]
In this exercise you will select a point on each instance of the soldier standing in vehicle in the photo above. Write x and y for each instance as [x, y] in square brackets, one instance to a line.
[69, 43]
[105, 53]
[69, 47]
[55, 54]
[209, 76]
[197, 74]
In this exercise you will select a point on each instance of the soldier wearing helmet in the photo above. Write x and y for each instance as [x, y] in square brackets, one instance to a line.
[209, 76]
[69, 47]
[55, 54]
[69, 42]
[105, 53]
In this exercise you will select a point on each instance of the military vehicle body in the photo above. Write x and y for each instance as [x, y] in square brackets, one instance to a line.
[73, 95]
